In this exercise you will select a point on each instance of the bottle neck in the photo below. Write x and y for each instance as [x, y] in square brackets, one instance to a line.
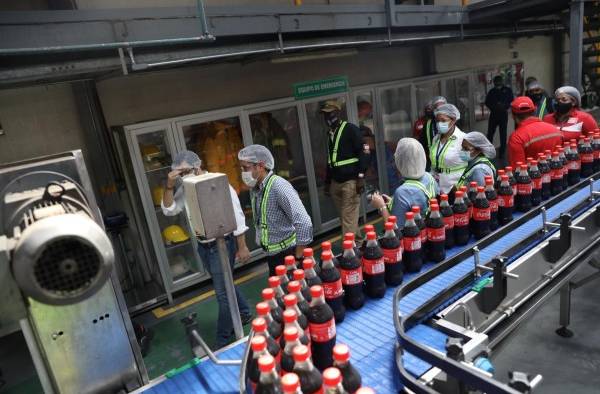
[349, 253]
[328, 264]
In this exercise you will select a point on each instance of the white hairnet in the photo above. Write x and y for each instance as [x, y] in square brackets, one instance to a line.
[571, 91]
[534, 85]
[448, 110]
[257, 154]
[410, 158]
[188, 157]
[480, 141]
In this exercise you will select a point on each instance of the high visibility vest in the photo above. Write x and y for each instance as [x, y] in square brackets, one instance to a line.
[332, 160]
[469, 170]
[262, 223]
[428, 190]
[428, 135]
[542, 112]
[437, 159]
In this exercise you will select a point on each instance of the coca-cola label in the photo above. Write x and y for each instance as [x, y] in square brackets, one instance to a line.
[436, 234]
[506, 201]
[587, 158]
[481, 214]
[373, 267]
[322, 332]
[514, 190]
[470, 211]
[392, 256]
[333, 289]
[494, 205]
[574, 165]
[596, 154]
[461, 219]
[449, 222]
[411, 244]
[351, 277]
[524, 188]
[423, 236]
[546, 178]
[557, 174]
[536, 183]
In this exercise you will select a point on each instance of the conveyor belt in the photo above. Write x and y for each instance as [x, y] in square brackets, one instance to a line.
[370, 331]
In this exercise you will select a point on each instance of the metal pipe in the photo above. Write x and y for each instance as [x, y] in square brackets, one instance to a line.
[210, 354]
[230, 288]
[507, 274]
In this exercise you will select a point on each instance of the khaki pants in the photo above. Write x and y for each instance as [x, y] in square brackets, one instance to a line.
[347, 203]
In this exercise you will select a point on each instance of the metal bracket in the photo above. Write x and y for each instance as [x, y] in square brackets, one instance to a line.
[557, 247]
[197, 343]
[491, 296]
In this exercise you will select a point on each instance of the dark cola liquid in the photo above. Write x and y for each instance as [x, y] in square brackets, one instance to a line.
[556, 178]
[334, 293]
[574, 174]
[587, 161]
[461, 224]
[276, 312]
[423, 234]
[252, 370]
[275, 330]
[322, 335]
[469, 205]
[310, 381]
[481, 218]
[392, 257]
[352, 281]
[448, 218]
[596, 149]
[492, 198]
[512, 181]
[374, 271]
[411, 255]
[270, 388]
[315, 280]
[524, 191]
[287, 362]
[565, 170]
[505, 205]
[546, 180]
[536, 187]
[351, 379]
[436, 240]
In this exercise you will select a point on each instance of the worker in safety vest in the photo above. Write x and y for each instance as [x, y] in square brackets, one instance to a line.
[531, 136]
[447, 164]
[425, 127]
[569, 118]
[347, 162]
[418, 188]
[282, 224]
[478, 151]
[543, 104]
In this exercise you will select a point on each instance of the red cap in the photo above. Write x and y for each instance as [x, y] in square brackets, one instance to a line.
[459, 194]
[509, 168]
[290, 382]
[259, 343]
[301, 353]
[326, 245]
[326, 255]
[416, 209]
[365, 390]
[480, 189]
[392, 219]
[489, 180]
[434, 207]
[534, 163]
[548, 152]
[348, 244]
[290, 260]
[280, 270]
[573, 141]
[555, 153]
[349, 237]
[307, 252]
[332, 377]
[529, 158]
[368, 227]
[274, 281]
[290, 299]
[308, 264]
[293, 287]
[291, 334]
[463, 189]
[266, 363]
[574, 145]
[259, 324]
[473, 184]
[289, 316]
[389, 226]
[444, 197]
[371, 235]
[316, 291]
[268, 294]
[341, 353]
[541, 156]
[586, 139]
[262, 309]
[298, 275]
[433, 201]
[522, 105]
[519, 164]
[504, 178]
[500, 172]
[410, 216]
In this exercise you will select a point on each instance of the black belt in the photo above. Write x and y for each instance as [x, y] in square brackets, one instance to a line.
[212, 243]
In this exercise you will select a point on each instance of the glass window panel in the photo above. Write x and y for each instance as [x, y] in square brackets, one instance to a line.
[366, 123]
[425, 92]
[457, 93]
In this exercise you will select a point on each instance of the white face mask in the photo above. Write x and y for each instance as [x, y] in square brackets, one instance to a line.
[443, 127]
[248, 179]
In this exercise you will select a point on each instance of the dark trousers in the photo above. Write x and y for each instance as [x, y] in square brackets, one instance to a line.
[278, 259]
[500, 121]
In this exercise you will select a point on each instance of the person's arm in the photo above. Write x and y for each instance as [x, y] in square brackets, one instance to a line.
[240, 221]
[175, 207]
[516, 152]
[168, 193]
[489, 100]
[589, 124]
[288, 200]
[509, 98]
[379, 202]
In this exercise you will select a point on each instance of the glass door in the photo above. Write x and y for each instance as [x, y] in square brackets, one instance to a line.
[365, 113]
[457, 93]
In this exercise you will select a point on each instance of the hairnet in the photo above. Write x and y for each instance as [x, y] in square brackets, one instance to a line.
[480, 141]
[188, 157]
[257, 154]
[571, 91]
[534, 85]
[410, 158]
[438, 99]
[448, 110]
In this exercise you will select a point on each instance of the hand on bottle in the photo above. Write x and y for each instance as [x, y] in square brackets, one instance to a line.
[377, 200]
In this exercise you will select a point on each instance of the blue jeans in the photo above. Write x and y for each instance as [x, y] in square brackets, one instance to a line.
[210, 258]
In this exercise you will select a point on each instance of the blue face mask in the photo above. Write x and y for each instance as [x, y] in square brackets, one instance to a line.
[443, 127]
[464, 155]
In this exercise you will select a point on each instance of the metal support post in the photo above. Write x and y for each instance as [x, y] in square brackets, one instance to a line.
[565, 311]
[229, 288]
[576, 43]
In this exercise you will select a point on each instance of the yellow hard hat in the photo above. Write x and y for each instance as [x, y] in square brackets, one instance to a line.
[157, 195]
[174, 234]
[150, 152]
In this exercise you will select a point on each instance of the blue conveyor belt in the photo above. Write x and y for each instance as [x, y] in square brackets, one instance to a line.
[370, 331]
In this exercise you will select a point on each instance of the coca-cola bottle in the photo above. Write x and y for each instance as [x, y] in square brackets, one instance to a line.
[411, 243]
[506, 201]
[351, 379]
[259, 326]
[332, 381]
[268, 382]
[268, 296]
[574, 165]
[565, 165]
[281, 271]
[291, 303]
[512, 181]
[482, 214]
[367, 229]
[546, 175]
[392, 255]
[373, 268]
[420, 221]
[326, 246]
[492, 197]
[310, 275]
[467, 201]
[308, 253]
[295, 288]
[259, 349]
[461, 219]
[299, 276]
[310, 377]
[351, 237]
[332, 285]
[275, 328]
[290, 266]
[472, 194]
[275, 284]
[556, 178]
[436, 235]
[352, 277]
[290, 319]
[524, 189]
[536, 183]
[393, 219]
[596, 149]
[322, 329]
[587, 158]
[292, 339]
[290, 384]
[448, 218]
[498, 179]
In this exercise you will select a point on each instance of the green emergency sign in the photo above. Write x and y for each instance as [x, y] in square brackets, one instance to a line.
[322, 87]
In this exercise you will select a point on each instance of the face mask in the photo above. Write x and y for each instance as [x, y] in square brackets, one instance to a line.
[331, 120]
[248, 179]
[563, 108]
[443, 127]
[464, 155]
[535, 96]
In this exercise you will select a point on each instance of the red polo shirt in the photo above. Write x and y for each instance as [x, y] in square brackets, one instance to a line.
[579, 122]
[530, 138]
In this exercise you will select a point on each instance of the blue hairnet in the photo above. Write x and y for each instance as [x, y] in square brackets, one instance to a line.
[186, 157]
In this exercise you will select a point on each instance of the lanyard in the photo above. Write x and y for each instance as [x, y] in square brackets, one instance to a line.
[441, 152]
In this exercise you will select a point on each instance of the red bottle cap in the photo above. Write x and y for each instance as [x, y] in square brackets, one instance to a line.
[341, 353]
[416, 209]
[504, 178]
[266, 363]
[326, 245]
[289, 316]
[524, 167]
[500, 172]
[480, 189]
[259, 343]
[316, 291]
[368, 227]
[291, 334]
[555, 153]
[349, 237]
[371, 235]
[332, 377]
[389, 226]
[433, 201]
[348, 244]
[463, 189]
[473, 184]
[290, 382]
[392, 219]
[290, 260]
[293, 287]
[573, 141]
[573, 145]
[519, 164]
[489, 180]
[290, 299]
[268, 294]
[280, 270]
[301, 353]
[298, 275]
[444, 197]
[259, 324]
[274, 281]
[326, 255]
[509, 168]
[307, 264]
[410, 216]
[434, 207]
[307, 252]
[262, 309]
[459, 194]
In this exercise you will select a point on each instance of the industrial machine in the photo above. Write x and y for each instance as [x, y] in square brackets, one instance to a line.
[57, 281]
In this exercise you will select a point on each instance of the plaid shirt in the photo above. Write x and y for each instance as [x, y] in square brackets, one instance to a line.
[285, 212]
